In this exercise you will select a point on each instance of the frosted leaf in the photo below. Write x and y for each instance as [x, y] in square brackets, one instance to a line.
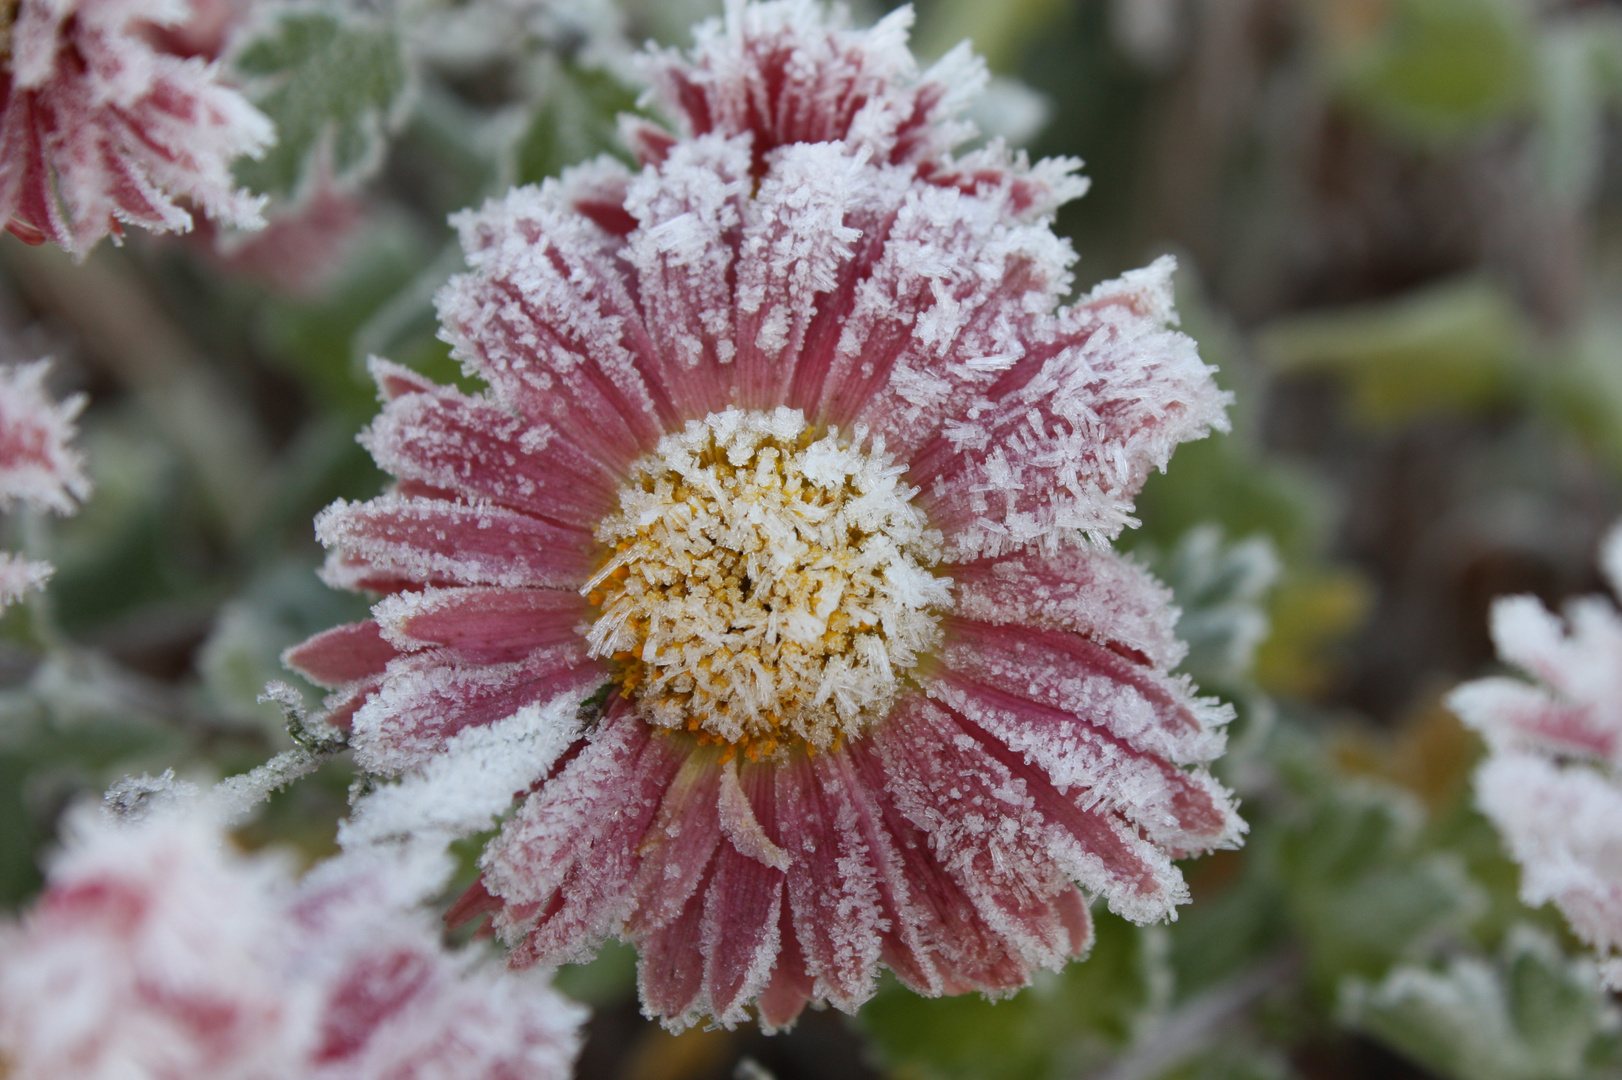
[471, 784]
[102, 129]
[143, 928]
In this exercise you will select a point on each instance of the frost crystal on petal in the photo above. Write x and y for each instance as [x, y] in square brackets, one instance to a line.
[759, 574]
[155, 951]
[99, 128]
[1551, 784]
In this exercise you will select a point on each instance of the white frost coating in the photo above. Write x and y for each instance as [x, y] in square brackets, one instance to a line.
[768, 582]
[235, 797]
[471, 784]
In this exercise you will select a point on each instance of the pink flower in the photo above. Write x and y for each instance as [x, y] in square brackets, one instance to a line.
[155, 951]
[37, 466]
[99, 129]
[791, 451]
[1550, 784]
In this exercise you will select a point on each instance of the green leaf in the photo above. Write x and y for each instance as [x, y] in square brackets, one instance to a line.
[1440, 68]
[335, 85]
[1459, 345]
[1084, 1013]
[1361, 889]
[1219, 588]
[1532, 1015]
[574, 120]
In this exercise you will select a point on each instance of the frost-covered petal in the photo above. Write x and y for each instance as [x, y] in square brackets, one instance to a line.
[433, 541]
[342, 655]
[1563, 824]
[786, 73]
[1063, 440]
[454, 442]
[1145, 708]
[425, 698]
[569, 855]
[20, 576]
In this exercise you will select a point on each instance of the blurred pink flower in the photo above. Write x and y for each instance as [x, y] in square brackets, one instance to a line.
[790, 449]
[156, 951]
[100, 129]
[1550, 784]
[38, 467]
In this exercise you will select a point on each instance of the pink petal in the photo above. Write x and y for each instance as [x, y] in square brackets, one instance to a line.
[1011, 841]
[1066, 437]
[573, 846]
[433, 542]
[670, 964]
[678, 848]
[740, 932]
[785, 74]
[1183, 811]
[546, 318]
[835, 896]
[424, 700]
[483, 625]
[951, 947]
[467, 445]
[1147, 710]
[1082, 590]
[342, 655]
[684, 252]
[790, 988]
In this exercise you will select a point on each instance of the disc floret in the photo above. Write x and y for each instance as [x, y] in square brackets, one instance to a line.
[768, 583]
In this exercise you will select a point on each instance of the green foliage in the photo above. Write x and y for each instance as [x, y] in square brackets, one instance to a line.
[1082, 1013]
[1361, 889]
[1440, 68]
[1458, 345]
[573, 120]
[334, 83]
[1531, 1015]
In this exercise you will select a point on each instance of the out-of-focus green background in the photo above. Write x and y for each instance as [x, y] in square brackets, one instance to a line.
[1397, 225]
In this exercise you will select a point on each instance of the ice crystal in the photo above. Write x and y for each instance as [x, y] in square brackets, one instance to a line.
[785, 506]
[101, 128]
[1551, 784]
[155, 951]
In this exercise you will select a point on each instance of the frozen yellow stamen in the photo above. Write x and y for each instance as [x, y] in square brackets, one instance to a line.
[767, 584]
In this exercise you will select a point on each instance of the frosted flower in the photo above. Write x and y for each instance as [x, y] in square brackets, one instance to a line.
[155, 951]
[1552, 784]
[101, 129]
[38, 467]
[777, 503]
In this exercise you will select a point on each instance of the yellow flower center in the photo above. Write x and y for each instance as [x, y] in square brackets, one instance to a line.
[767, 583]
